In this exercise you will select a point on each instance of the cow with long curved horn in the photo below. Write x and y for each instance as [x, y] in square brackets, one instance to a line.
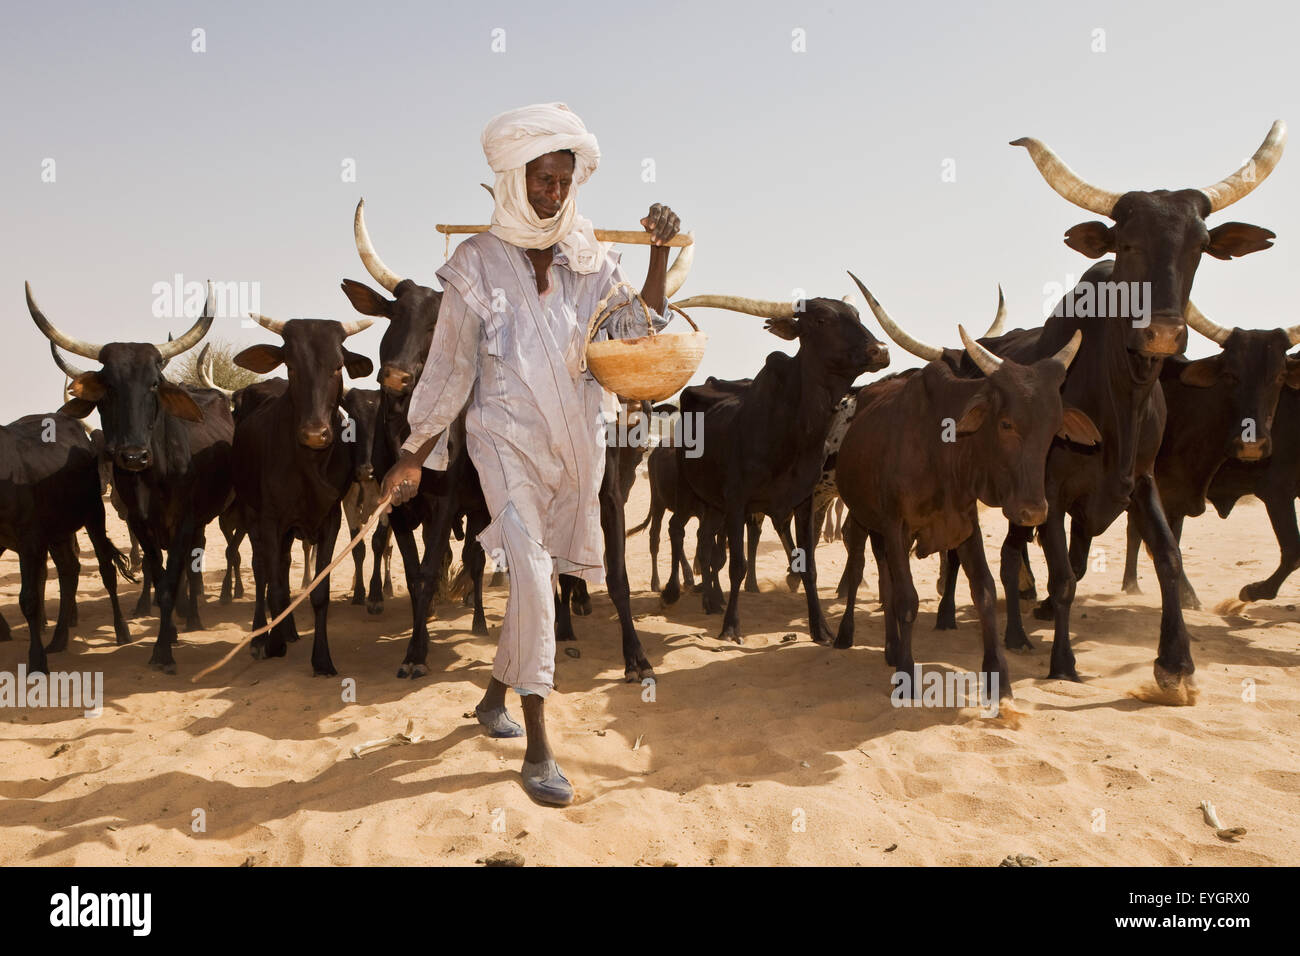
[170, 455]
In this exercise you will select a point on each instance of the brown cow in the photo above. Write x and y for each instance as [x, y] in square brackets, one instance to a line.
[922, 449]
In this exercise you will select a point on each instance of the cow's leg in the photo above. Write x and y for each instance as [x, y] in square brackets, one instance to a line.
[308, 554]
[166, 586]
[563, 618]
[677, 546]
[1281, 514]
[792, 577]
[422, 587]
[734, 523]
[1060, 591]
[231, 584]
[839, 518]
[110, 562]
[194, 576]
[947, 617]
[1173, 663]
[806, 536]
[321, 664]
[711, 558]
[753, 528]
[380, 543]
[411, 564]
[358, 564]
[580, 598]
[905, 604]
[144, 605]
[855, 542]
[276, 562]
[1010, 560]
[656, 524]
[984, 596]
[31, 562]
[260, 581]
[1132, 543]
[1186, 594]
[473, 558]
[886, 587]
[1028, 586]
[388, 568]
[636, 667]
[1079, 549]
[69, 569]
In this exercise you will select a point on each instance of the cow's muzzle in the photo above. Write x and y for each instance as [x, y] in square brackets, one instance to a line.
[1244, 450]
[396, 380]
[1165, 335]
[1027, 516]
[315, 435]
[134, 458]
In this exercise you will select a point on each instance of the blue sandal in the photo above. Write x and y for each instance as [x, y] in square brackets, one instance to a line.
[498, 722]
[545, 784]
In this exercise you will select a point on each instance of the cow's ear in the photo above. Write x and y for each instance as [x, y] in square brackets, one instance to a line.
[89, 387]
[358, 366]
[1238, 239]
[178, 403]
[1077, 427]
[1094, 239]
[77, 407]
[1293, 373]
[1202, 373]
[973, 415]
[784, 328]
[366, 300]
[260, 358]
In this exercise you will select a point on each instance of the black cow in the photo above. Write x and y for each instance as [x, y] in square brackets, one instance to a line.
[1131, 311]
[1220, 408]
[49, 488]
[291, 472]
[170, 448]
[763, 449]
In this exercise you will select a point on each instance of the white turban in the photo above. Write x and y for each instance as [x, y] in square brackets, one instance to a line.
[511, 141]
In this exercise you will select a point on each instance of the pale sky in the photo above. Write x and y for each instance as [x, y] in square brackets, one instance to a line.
[790, 166]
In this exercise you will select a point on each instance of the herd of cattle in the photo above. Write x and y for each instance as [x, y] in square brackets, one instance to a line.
[1090, 415]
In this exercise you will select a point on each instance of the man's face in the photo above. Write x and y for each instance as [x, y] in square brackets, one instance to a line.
[548, 179]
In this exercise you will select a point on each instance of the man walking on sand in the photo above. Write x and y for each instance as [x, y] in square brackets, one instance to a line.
[509, 342]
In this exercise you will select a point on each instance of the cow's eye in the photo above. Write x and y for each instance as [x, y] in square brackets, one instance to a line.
[1007, 425]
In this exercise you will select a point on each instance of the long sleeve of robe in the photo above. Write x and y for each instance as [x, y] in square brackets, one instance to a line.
[535, 420]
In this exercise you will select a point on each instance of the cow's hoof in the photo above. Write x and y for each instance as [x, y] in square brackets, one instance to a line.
[1044, 611]
[792, 581]
[142, 609]
[731, 633]
[946, 621]
[225, 598]
[167, 667]
[565, 636]
[1019, 641]
[638, 671]
[123, 634]
[751, 587]
[358, 599]
[1259, 591]
[1065, 672]
[479, 628]
[374, 607]
[323, 670]
[670, 595]
[1168, 680]
[581, 608]
[1131, 587]
[411, 671]
[193, 624]
[843, 641]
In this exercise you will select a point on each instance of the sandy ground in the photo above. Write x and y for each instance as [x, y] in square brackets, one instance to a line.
[774, 752]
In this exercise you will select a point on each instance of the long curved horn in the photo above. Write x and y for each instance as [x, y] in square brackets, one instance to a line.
[204, 372]
[680, 269]
[1255, 170]
[1069, 349]
[171, 348]
[268, 323]
[1213, 332]
[987, 362]
[385, 276]
[75, 346]
[762, 308]
[491, 192]
[66, 367]
[353, 326]
[1000, 320]
[892, 329]
[1066, 181]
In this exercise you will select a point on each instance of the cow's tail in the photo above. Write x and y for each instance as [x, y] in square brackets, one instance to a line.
[120, 561]
[642, 526]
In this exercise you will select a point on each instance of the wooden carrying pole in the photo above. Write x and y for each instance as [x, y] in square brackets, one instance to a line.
[632, 237]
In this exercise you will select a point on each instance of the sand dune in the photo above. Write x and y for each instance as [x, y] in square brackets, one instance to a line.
[774, 752]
